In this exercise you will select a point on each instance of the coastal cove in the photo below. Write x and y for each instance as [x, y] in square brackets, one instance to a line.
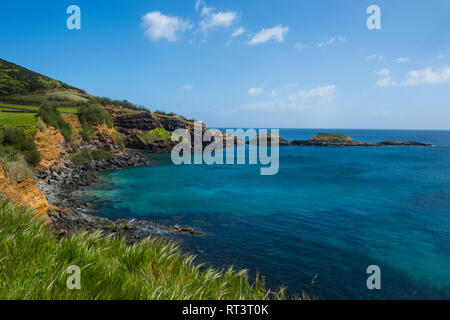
[329, 211]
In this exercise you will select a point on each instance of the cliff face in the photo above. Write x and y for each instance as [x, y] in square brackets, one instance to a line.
[148, 121]
[50, 144]
[25, 192]
[132, 125]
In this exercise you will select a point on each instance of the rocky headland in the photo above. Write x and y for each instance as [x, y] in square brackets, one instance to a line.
[334, 140]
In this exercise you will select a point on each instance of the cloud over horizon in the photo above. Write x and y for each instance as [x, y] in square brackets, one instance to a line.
[416, 77]
[319, 96]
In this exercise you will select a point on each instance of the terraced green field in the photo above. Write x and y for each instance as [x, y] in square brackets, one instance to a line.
[33, 108]
[18, 119]
[16, 115]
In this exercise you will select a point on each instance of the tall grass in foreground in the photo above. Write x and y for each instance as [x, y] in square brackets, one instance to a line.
[33, 262]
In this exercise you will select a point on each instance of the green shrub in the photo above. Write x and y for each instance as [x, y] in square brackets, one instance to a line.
[51, 116]
[81, 157]
[74, 147]
[93, 114]
[32, 156]
[105, 101]
[100, 154]
[13, 138]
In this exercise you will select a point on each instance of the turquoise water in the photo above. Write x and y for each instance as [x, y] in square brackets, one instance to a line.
[329, 211]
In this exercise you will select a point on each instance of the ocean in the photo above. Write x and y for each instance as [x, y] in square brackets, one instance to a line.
[328, 214]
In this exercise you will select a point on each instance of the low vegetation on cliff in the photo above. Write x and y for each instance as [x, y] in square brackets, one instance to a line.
[34, 261]
[331, 137]
[18, 153]
[91, 114]
[85, 156]
[158, 135]
[51, 116]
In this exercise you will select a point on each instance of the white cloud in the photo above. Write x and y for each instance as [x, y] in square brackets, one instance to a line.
[325, 43]
[427, 76]
[187, 87]
[159, 26]
[238, 32]
[255, 91]
[331, 41]
[402, 59]
[213, 19]
[416, 77]
[383, 72]
[385, 83]
[198, 4]
[375, 57]
[442, 56]
[277, 33]
[300, 46]
[219, 19]
[320, 96]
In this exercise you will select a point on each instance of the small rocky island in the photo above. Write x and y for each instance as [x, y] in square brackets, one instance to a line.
[339, 140]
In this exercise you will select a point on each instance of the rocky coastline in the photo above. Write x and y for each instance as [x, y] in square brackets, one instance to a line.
[69, 212]
[352, 143]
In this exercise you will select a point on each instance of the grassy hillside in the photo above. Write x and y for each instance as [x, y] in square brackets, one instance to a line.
[15, 79]
[33, 262]
[21, 86]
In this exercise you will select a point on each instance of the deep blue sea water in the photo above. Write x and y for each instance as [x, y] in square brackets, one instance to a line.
[329, 211]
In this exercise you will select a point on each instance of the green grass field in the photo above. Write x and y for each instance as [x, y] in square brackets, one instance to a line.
[62, 98]
[35, 108]
[18, 119]
[33, 265]
[23, 119]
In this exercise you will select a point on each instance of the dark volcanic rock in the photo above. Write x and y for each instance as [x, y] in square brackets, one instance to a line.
[268, 138]
[59, 183]
[130, 126]
[321, 143]
[148, 121]
[404, 143]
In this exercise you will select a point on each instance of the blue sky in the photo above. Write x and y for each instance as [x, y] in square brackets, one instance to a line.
[290, 63]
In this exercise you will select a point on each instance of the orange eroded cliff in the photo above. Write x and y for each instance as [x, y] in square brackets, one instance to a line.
[25, 192]
[50, 144]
